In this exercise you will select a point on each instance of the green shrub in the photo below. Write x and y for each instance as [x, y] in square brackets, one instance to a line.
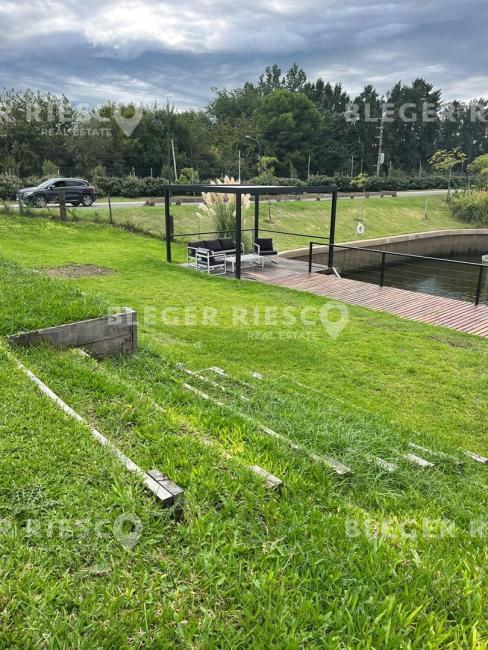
[128, 186]
[188, 176]
[33, 181]
[9, 185]
[267, 179]
[471, 207]
[132, 186]
[108, 185]
[152, 186]
[320, 180]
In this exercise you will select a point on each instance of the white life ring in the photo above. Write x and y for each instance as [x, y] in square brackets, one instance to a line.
[360, 229]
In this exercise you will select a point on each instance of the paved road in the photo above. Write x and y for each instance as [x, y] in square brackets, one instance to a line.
[139, 204]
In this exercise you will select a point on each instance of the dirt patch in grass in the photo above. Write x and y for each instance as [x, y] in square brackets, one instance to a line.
[76, 271]
[454, 343]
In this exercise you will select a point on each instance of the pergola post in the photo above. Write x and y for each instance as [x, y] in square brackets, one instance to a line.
[238, 235]
[167, 224]
[256, 216]
[333, 212]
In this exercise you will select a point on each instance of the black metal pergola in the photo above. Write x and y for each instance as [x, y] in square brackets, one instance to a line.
[256, 191]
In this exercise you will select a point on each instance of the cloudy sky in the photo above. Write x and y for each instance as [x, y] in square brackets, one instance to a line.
[179, 49]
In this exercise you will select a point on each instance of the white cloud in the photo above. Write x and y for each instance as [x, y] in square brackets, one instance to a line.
[197, 26]
[159, 48]
[472, 87]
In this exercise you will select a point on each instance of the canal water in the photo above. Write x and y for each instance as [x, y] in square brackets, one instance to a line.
[427, 276]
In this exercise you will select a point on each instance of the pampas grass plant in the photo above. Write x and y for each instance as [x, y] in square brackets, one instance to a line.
[221, 208]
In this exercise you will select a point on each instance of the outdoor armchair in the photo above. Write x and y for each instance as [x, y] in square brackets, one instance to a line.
[264, 247]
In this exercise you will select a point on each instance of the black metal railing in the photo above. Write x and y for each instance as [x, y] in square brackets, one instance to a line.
[477, 271]
[294, 234]
[278, 232]
[208, 232]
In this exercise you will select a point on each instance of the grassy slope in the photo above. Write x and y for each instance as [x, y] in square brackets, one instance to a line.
[239, 561]
[61, 589]
[382, 217]
[410, 365]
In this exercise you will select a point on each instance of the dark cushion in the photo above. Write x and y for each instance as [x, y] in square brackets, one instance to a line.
[264, 253]
[195, 244]
[227, 244]
[217, 261]
[265, 244]
[213, 245]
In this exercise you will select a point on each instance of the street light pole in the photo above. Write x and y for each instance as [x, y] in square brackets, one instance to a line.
[249, 137]
[379, 161]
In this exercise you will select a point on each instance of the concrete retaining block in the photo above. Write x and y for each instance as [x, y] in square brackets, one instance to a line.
[101, 337]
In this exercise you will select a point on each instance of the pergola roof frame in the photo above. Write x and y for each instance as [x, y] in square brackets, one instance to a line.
[256, 191]
[249, 189]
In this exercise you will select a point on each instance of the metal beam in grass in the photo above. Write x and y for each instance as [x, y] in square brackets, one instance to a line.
[169, 495]
[214, 384]
[477, 457]
[271, 480]
[418, 460]
[384, 464]
[435, 453]
[338, 467]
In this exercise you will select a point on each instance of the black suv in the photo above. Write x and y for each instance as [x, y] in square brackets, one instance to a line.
[75, 191]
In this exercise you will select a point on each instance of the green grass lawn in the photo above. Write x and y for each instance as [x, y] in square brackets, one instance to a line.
[381, 217]
[243, 568]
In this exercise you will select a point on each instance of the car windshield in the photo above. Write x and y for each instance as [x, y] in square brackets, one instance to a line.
[46, 183]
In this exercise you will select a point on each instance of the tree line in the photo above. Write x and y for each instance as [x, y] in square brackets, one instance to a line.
[282, 125]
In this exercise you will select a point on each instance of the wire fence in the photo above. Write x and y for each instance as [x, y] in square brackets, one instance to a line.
[464, 280]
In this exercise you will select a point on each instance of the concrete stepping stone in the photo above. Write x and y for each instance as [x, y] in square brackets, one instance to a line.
[477, 458]
[272, 481]
[433, 452]
[417, 460]
[385, 464]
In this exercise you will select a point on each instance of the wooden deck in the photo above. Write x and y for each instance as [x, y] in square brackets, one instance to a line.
[435, 310]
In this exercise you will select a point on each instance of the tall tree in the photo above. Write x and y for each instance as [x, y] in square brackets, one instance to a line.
[363, 128]
[409, 138]
[270, 80]
[288, 122]
[295, 79]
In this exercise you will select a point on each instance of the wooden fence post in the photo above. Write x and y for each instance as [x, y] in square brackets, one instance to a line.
[62, 207]
[110, 219]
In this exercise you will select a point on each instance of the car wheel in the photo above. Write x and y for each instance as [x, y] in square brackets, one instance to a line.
[86, 200]
[39, 201]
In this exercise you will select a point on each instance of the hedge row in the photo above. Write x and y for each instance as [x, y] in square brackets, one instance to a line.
[10, 184]
[471, 207]
[134, 187]
[113, 185]
[388, 183]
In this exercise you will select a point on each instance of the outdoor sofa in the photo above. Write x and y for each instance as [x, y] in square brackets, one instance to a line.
[209, 255]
